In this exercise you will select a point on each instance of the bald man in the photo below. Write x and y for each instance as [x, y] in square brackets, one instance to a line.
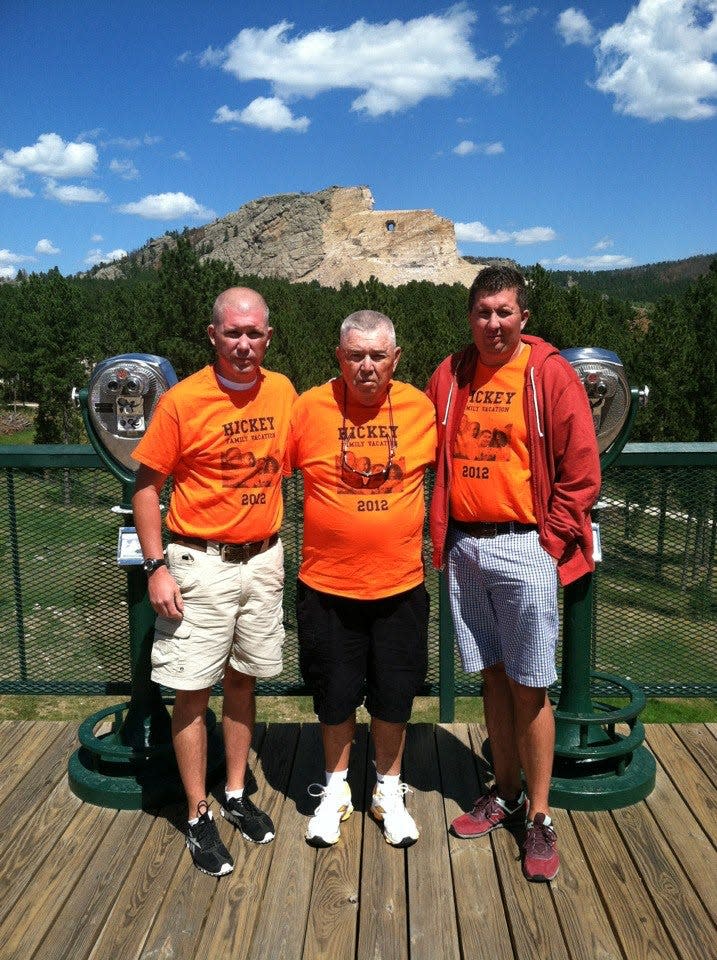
[218, 591]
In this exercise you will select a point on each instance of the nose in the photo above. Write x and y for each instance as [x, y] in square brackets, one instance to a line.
[366, 364]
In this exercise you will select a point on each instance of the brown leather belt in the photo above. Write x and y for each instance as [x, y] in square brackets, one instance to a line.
[229, 552]
[481, 529]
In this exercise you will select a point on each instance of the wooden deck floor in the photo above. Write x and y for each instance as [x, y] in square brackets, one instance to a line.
[79, 881]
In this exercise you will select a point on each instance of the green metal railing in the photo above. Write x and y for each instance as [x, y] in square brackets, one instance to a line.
[63, 600]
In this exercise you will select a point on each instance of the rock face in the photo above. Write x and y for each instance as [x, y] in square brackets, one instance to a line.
[331, 236]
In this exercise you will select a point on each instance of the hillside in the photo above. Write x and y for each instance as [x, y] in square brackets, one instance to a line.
[643, 284]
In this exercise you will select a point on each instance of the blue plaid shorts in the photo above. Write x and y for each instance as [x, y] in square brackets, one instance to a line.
[503, 593]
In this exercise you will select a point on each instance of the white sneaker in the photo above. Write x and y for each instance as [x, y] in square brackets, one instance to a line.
[335, 807]
[399, 827]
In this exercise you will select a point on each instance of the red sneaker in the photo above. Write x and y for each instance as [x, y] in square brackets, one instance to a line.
[488, 813]
[540, 854]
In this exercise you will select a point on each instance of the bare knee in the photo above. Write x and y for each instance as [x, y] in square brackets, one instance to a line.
[190, 707]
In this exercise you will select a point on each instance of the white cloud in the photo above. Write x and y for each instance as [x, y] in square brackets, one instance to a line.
[180, 155]
[466, 147]
[74, 194]
[9, 263]
[574, 27]
[516, 20]
[125, 169]
[659, 62]
[52, 157]
[534, 235]
[46, 247]
[167, 206]
[510, 17]
[603, 244]
[477, 232]
[97, 256]
[395, 64]
[96, 238]
[269, 113]
[605, 262]
[11, 180]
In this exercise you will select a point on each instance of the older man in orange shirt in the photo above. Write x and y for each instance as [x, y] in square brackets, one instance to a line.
[363, 442]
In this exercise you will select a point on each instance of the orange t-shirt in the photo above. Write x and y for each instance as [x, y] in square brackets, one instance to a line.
[363, 489]
[225, 450]
[491, 463]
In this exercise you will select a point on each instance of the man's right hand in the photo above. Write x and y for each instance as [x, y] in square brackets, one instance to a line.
[164, 594]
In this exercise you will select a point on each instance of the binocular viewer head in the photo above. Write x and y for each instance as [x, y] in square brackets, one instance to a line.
[121, 397]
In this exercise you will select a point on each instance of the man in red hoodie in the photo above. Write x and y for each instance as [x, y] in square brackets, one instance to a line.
[508, 527]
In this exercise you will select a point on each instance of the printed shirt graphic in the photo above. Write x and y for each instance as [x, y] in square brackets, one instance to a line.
[491, 465]
[363, 489]
[226, 450]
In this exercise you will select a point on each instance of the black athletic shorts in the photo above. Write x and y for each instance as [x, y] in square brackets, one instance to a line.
[355, 650]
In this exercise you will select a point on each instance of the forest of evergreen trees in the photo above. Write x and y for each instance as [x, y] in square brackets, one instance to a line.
[53, 328]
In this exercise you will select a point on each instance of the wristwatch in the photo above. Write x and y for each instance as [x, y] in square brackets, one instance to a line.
[149, 566]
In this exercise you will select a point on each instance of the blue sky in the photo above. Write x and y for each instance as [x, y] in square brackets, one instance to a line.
[581, 137]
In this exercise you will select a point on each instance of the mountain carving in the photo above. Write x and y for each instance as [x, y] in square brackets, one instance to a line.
[333, 236]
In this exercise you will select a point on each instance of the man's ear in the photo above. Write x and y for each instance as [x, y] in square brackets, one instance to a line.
[526, 317]
[396, 357]
[210, 334]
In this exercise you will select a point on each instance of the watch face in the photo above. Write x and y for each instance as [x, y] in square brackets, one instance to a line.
[150, 565]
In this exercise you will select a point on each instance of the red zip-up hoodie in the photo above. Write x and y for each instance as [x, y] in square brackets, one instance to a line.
[564, 460]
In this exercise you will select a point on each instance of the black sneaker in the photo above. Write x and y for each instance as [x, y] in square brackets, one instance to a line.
[207, 850]
[253, 823]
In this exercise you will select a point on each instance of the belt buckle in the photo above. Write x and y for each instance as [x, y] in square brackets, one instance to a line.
[491, 529]
[234, 552]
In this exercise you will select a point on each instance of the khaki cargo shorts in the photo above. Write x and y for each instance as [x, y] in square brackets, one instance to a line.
[233, 613]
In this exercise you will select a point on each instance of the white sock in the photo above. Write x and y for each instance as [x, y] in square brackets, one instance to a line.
[334, 778]
[388, 781]
[195, 820]
[234, 794]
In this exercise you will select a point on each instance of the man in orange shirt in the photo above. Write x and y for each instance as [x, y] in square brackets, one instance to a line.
[363, 442]
[510, 515]
[218, 595]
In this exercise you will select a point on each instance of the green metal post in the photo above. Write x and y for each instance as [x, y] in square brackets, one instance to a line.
[446, 662]
[596, 767]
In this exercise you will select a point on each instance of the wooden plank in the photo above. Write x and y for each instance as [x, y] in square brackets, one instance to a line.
[635, 920]
[383, 907]
[190, 892]
[279, 932]
[702, 745]
[482, 922]
[10, 733]
[35, 911]
[690, 845]
[432, 928]
[678, 906]
[46, 771]
[712, 727]
[239, 898]
[333, 913]
[25, 752]
[83, 913]
[696, 788]
[31, 840]
[581, 912]
[529, 907]
[136, 903]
